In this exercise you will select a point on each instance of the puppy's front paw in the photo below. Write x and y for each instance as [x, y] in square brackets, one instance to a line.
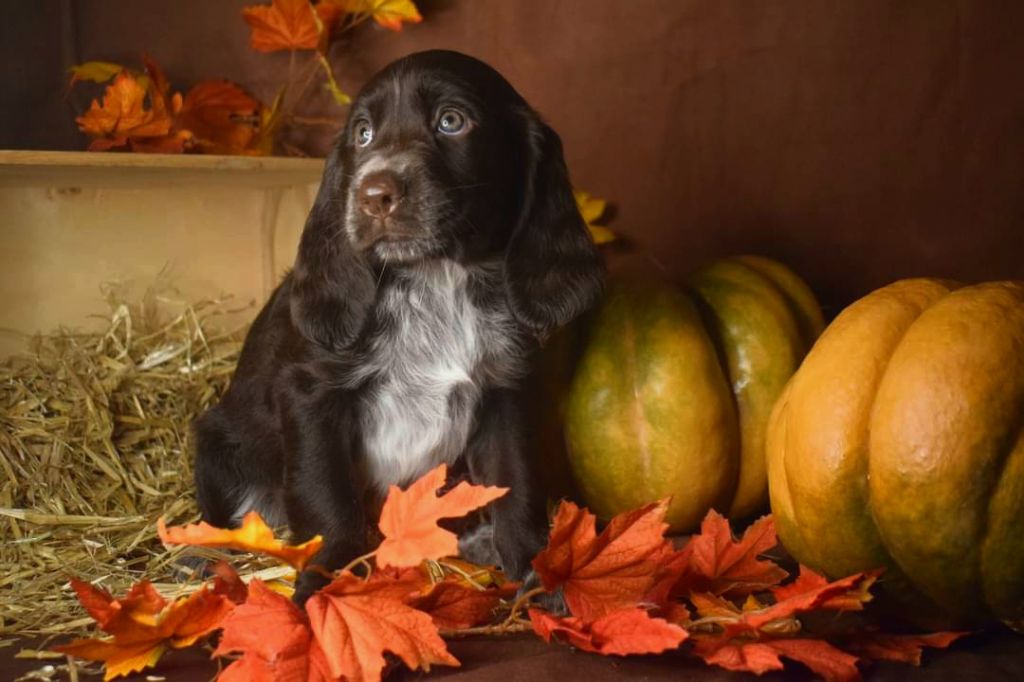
[552, 602]
[306, 585]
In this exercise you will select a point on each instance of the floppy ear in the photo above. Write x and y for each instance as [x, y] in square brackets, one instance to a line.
[332, 286]
[553, 271]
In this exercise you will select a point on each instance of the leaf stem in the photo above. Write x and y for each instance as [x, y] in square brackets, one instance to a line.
[363, 560]
[524, 598]
[503, 628]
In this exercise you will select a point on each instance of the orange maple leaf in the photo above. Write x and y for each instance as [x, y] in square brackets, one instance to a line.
[253, 536]
[454, 605]
[282, 25]
[901, 648]
[616, 633]
[142, 631]
[832, 664]
[714, 562]
[140, 605]
[221, 116]
[409, 518]
[841, 599]
[388, 13]
[601, 574]
[122, 114]
[356, 621]
[274, 638]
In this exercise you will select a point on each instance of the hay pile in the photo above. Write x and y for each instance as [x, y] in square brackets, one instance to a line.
[94, 447]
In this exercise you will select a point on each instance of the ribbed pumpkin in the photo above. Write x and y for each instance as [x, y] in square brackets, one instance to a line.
[900, 443]
[674, 387]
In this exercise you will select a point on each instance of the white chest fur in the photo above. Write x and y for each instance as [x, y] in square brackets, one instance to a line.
[428, 369]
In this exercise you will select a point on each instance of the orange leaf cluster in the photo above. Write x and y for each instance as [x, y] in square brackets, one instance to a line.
[139, 111]
[350, 624]
[144, 625]
[300, 25]
[629, 591]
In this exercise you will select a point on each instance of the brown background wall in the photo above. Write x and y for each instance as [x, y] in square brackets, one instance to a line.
[859, 141]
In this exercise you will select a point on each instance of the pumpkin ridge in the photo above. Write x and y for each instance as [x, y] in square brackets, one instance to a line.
[867, 436]
[643, 444]
[997, 480]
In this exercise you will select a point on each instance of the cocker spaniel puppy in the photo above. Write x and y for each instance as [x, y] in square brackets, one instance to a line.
[443, 244]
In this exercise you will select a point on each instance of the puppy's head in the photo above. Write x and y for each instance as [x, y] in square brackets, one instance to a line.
[440, 157]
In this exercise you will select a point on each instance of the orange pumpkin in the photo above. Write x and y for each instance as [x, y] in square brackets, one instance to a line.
[900, 443]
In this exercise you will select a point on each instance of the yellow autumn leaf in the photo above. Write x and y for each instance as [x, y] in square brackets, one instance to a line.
[591, 209]
[95, 72]
[388, 13]
[254, 535]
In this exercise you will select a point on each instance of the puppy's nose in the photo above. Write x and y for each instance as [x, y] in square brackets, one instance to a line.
[379, 194]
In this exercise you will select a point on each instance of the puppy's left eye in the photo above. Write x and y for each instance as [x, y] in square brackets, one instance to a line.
[451, 122]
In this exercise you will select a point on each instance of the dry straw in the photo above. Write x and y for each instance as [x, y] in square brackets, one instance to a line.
[94, 447]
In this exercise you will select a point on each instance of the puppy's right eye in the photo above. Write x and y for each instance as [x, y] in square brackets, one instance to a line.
[364, 133]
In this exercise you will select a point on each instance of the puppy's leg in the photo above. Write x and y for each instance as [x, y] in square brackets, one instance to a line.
[322, 493]
[219, 477]
[495, 456]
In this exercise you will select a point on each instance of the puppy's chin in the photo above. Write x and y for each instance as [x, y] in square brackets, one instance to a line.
[403, 250]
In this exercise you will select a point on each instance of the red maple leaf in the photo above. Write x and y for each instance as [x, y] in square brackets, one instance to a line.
[902, 648]
[837, 598]
[714, 562]
[229, 583]
[454, 605]
[144, 625]
[409, 518]
[604, 573]
[221, 117]
[759, 657]
[282, 25]
[356, 621]
[619, 633]
[274, 638]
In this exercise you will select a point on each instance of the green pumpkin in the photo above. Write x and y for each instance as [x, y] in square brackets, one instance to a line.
[674, 387]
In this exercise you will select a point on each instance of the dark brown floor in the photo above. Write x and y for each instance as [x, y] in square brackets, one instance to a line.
[524, 658]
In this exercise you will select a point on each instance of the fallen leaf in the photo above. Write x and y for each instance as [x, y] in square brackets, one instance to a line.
[409, 518]
[274, 638]
[843, 600]
[229, 583]
[282, 25]
[821, 657]
[812, 595]
[619, 633]
[140, 605]
[601, 574]
[118, 659]
[142, 634]
[356, 621]
[253, 536]
[901, 648]
[714, 562]
[454, 605]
